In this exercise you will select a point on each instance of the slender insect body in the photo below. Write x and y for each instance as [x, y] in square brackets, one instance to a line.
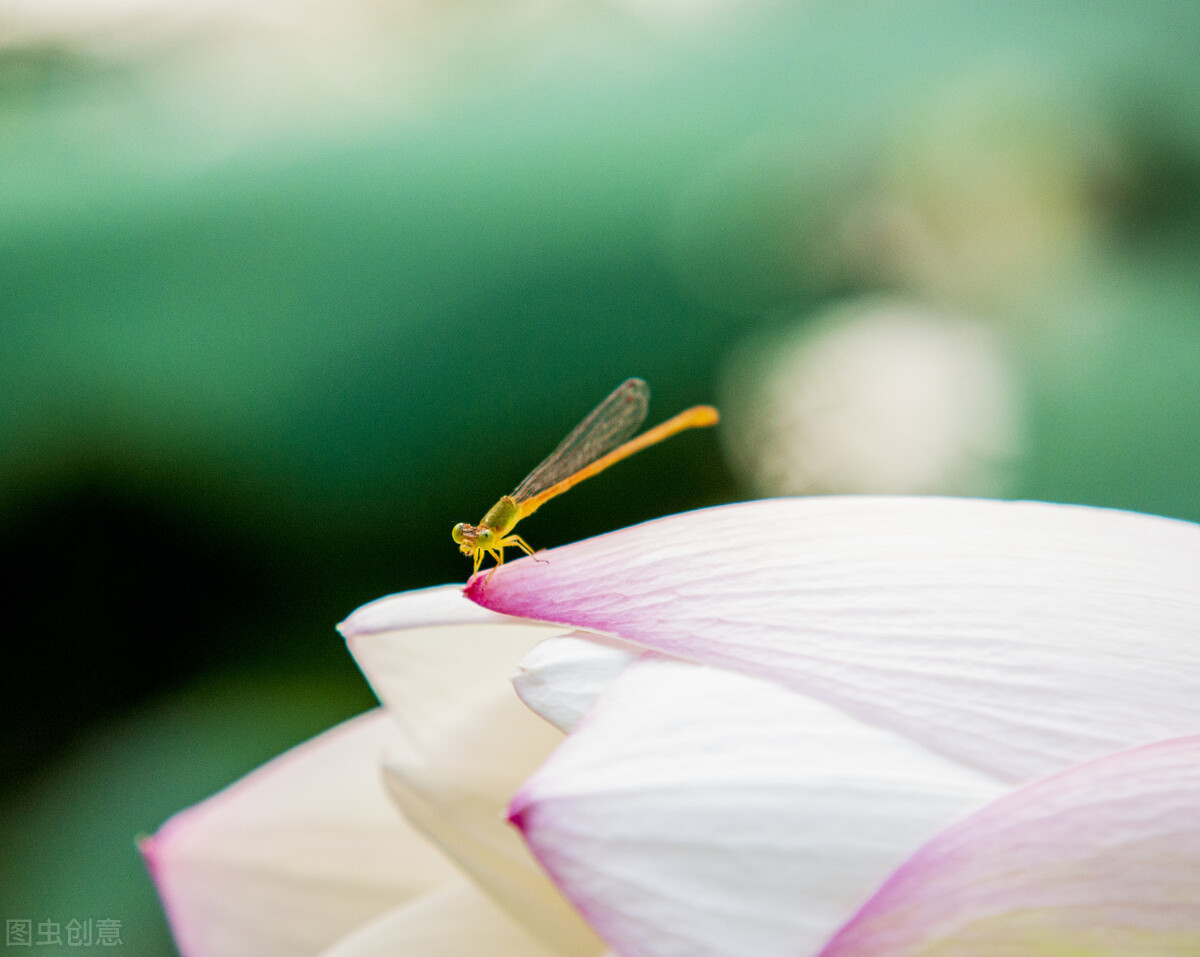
[600, 440]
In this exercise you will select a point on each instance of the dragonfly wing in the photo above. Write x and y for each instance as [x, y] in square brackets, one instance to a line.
[608, 425]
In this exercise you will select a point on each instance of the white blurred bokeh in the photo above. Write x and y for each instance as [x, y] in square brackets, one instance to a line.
[993, 188]
[872, 397]
[303, 55]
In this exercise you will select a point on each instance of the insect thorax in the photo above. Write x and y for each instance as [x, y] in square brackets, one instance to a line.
[502, 516]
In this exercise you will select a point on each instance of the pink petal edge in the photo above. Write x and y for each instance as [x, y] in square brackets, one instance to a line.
[1089, 859]
[187, 854]
[958, 622]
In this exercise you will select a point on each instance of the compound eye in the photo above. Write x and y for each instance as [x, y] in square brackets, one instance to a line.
[456, 533]
[485, 537]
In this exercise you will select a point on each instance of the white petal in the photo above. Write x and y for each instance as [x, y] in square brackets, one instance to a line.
[291, 857]
[431, 656]
[449, 922]
[471, 831]
[1019, 637]
[701, 812]
[562, 677]
[442, 666]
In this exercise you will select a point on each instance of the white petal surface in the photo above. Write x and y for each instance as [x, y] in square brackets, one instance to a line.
[291, 857]
[700, 812]
[1102, 860]
[442, 665]
[450, 922]
[497, 861]
[431, 657]
[561, 678]
[1016, 636]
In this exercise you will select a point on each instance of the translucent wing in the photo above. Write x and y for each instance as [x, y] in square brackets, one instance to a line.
[612, 422]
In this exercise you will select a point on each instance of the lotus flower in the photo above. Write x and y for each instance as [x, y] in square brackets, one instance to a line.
[841, 726]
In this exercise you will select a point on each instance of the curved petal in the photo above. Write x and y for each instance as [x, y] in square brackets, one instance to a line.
[1019, 637]
[697, 811]
[448, 922]
[431, 657]
[561, 677]
[1103, 859]
[291, 857]
[441, 666]
[472, 834]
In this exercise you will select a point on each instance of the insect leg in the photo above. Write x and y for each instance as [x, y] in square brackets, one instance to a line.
[524, 546]
[497, 554]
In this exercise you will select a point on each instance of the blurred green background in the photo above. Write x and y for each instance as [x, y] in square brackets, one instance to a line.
[286, 294]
